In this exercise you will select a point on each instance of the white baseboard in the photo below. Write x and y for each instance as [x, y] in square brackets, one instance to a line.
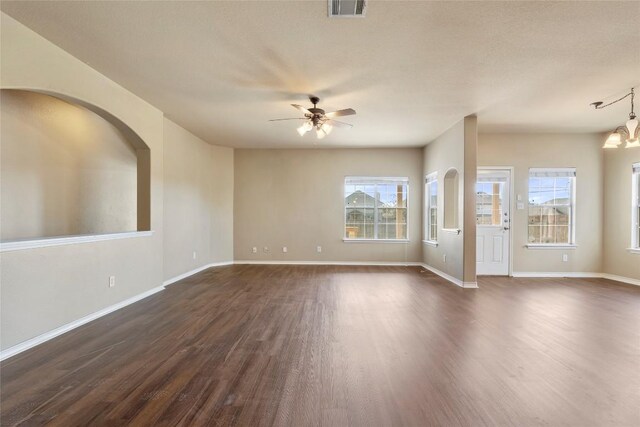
[194, 271]
[622, 279]
[579, 274]
[573, 274]
[25, 345]
[457, 282]
[373, 263]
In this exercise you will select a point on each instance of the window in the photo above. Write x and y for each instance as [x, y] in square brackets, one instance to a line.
[376, 208]
[552, 206]
[431, 207]
[635, 213]
[489, 193]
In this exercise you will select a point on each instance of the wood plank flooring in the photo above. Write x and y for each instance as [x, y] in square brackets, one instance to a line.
[342, 346]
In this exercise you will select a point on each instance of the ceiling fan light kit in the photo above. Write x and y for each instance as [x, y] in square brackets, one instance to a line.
[316, 118]
[631, 129]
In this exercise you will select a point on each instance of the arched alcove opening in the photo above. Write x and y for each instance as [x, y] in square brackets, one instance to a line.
[451, 199]
[69, 168]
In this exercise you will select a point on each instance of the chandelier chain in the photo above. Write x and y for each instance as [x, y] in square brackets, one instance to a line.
[600, 106]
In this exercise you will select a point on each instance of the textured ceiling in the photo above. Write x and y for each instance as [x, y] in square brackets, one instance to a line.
[410, 69]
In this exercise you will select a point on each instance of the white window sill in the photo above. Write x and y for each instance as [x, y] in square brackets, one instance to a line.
[430, 243]
[538, 246]
[634, 250]
[375, 240]
[17, 245]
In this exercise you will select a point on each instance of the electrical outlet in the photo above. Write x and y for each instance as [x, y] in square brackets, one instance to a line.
[112, 281]
[318, 249]
[284, 249]
[444, 258]
[254, 250]
[194, 255]
[565, 257]
[265, 249]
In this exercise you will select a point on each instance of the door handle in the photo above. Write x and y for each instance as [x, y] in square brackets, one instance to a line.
[505, 228]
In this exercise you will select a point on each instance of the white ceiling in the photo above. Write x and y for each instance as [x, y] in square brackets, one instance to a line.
[410, 69]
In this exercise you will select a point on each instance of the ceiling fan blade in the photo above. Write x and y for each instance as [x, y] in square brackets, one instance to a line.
[294, 118]
[301, 108]
[340, 113]
[339, 124]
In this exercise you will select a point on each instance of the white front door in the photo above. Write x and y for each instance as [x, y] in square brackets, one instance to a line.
[493, 221]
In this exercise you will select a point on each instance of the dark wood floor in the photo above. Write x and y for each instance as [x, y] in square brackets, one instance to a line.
[339, 346]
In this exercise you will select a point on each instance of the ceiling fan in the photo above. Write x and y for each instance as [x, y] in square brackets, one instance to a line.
[316, 118]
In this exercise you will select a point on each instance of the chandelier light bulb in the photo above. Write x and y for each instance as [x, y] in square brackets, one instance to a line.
[632, 128]
[613, 141]
[633, 143]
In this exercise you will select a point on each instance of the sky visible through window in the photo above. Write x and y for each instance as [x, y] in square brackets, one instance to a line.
[549, 190]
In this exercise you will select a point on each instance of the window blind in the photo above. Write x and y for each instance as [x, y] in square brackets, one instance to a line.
[355, 180]
[552, 172]
[431, 177]
[491, 179]
[636, 168]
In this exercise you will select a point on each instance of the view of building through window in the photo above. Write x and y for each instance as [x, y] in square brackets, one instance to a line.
[489, 203]
[376, 208]
[551, 209]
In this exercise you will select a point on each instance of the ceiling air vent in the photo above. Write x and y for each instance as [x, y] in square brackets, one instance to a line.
[347, 8]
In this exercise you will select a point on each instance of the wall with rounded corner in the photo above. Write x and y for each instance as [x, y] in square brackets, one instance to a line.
[453, 154]
[48, 287]
[64, 170]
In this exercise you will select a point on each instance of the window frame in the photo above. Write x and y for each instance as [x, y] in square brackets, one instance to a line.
[430, 179]
[373, 180]
[572, 218]
[635, 209]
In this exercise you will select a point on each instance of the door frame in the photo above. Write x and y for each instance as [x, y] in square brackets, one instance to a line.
[510, 171]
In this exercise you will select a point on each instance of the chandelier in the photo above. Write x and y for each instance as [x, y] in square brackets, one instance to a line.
[630, 129]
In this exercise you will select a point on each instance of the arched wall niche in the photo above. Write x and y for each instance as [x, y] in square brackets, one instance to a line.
[451, 192]
[49, 136]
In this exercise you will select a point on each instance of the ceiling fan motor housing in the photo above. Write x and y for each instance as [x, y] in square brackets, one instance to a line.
[317, 115]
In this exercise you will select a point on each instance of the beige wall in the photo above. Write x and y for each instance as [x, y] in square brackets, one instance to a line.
[617, 215]
[64, 170]
[198, 202]
[456, 148]
[45, 288]
[295, 198]
[581, 151]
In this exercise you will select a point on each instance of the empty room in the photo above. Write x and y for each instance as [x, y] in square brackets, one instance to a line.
[319, 213]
